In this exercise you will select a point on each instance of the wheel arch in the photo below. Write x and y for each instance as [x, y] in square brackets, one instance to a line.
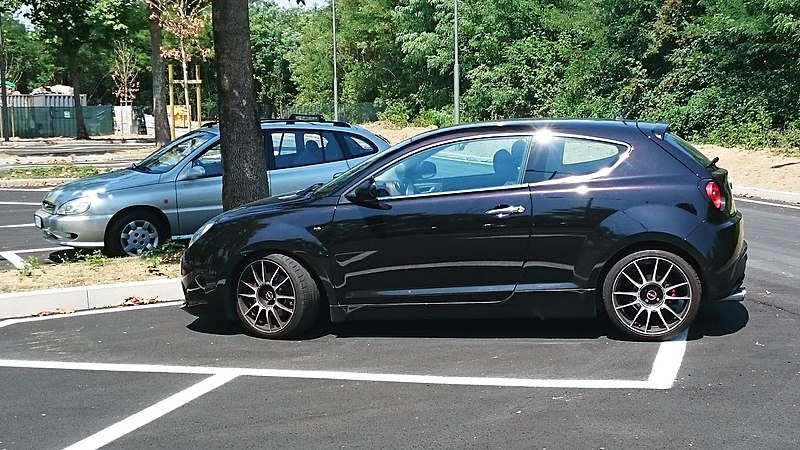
[326, 289]
[649, 243]
[150, 209]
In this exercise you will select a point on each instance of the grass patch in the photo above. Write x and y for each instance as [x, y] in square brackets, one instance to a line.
[66, 171]
[169, 252]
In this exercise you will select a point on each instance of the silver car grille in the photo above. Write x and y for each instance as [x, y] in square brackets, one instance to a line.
[49, 207]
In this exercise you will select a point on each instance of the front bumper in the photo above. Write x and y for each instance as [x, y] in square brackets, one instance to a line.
[201, 297]
[80, 230]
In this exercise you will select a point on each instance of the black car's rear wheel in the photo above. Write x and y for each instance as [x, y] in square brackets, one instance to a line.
[652, 294]
[276, 297]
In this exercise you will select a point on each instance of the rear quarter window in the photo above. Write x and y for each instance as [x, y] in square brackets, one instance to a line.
[687, 148]
[562, 157]
[357, 146]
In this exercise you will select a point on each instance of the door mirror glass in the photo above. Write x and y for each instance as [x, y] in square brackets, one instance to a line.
[365, 192]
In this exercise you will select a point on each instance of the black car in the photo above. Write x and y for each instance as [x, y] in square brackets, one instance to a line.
[534, 218]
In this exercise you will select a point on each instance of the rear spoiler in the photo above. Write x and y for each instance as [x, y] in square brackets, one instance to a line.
[653, 129]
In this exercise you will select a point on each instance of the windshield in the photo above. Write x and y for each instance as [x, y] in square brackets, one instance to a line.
[333, 185]
[165, 158]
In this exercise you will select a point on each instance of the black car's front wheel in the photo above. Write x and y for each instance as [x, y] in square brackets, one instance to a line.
[276, 297]
[652, 294]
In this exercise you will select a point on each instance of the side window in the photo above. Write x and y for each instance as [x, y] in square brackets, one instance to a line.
[357, 146]
[465, 165]
[561, 157]
[284, 149]
[211, 161]
[302, 148]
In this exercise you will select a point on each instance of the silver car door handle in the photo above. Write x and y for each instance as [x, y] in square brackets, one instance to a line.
[505, 211]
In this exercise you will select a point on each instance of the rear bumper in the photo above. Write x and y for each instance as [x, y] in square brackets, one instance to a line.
[736, 296]
[728, 284]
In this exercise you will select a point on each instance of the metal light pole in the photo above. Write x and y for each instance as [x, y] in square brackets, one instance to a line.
[456, 77]
[6, 123]
[335, 77]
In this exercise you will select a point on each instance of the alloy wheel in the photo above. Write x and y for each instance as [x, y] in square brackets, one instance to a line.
[652, 296]
[266, 296]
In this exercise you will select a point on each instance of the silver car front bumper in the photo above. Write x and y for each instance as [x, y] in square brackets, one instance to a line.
[80, 230]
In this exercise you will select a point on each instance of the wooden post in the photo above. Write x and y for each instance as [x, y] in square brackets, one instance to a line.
[171, 104]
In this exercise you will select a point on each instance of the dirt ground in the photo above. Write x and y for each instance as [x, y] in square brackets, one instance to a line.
[755, 168]
[60, 275]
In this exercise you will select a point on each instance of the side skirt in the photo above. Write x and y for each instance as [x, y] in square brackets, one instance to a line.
[556, 304]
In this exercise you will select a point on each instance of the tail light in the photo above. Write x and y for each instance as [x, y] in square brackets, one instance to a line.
[715, 195]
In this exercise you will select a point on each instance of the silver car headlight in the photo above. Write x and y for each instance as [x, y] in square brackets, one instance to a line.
[75, 206]
[201, 231]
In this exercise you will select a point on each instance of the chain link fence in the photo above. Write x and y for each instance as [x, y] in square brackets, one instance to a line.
[59, 121]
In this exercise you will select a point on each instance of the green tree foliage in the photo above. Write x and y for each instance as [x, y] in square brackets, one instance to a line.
[70, 25]
[717, 70]
[29, 63]
[273, 37]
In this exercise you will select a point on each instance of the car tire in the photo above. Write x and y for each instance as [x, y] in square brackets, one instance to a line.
[133, 233]
[276, 297]
[652, 295]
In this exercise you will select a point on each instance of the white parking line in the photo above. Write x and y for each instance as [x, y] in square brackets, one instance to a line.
[665, 369]
[12, 257]
[21, 203]
[152, 413]
[655, 381]
[45, 249]
[22, 225]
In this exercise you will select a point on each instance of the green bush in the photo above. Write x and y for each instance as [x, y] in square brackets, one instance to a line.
[396, 112]
[440, 117]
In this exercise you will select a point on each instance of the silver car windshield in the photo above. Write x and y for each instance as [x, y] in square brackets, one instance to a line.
[165, 158]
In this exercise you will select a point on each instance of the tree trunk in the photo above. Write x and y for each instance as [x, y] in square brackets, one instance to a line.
[244, 163]
[80, 126]
[161, 124]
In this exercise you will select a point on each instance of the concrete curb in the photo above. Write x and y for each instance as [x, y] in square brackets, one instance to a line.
[21, 304]
[766, 194]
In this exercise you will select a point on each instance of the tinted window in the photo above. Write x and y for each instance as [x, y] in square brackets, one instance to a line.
[466, 165]
[560, 157]
[357, 146]
[302, 148]
[687, 148]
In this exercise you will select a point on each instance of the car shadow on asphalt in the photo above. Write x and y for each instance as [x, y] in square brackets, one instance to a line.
[214, 325]
[716, 319]
[493, 328]
[719, 319]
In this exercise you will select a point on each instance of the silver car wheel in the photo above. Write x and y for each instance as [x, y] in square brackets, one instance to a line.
[266, 296]
[652, 296]
[139, 236]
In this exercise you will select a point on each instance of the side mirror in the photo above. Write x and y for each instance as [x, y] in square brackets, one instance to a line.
[365, 192]
[195, 172]
[427, 170]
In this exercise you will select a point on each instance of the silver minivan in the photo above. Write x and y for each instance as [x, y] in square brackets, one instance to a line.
[173, 191]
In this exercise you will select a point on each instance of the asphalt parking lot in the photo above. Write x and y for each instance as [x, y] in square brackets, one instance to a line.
[157, 377]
